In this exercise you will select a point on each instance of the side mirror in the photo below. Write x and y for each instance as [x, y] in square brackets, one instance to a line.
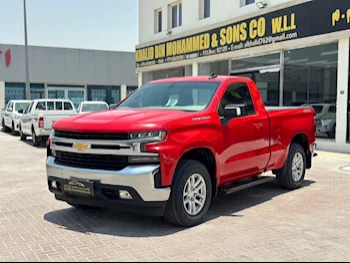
[21, 111]
[234, 110]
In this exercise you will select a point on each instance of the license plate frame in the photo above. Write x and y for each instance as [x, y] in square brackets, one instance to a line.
[79, 187]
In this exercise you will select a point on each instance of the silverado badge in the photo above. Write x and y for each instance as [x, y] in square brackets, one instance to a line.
[81, 146]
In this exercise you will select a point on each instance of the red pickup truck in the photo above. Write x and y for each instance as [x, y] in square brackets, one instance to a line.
[172, 145]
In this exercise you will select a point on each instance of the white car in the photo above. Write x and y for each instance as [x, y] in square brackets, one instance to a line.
[39, 116]
[92, 106]
[326, 117]
[12, 114]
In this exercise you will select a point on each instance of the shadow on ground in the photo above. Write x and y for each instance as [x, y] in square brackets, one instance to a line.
[109, 222]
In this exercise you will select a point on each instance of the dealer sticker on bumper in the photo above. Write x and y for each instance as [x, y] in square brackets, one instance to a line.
[79, 187]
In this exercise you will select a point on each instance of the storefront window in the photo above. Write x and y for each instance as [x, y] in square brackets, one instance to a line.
[167, 73]
[310, 78]
[219, 68]
[37, 91]
[115, 97]
[109, 94]
[130, 90]
[14, 91]
[265, 72]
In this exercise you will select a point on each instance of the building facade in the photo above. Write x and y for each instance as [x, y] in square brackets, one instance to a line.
[64, 73]
[297, 51]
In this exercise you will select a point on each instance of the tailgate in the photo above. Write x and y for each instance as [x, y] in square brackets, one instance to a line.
[50, 119]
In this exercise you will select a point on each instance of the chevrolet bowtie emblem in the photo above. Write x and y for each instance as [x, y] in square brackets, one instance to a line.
[81, 146]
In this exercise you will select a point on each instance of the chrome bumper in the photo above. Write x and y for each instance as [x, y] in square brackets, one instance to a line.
[140, 178]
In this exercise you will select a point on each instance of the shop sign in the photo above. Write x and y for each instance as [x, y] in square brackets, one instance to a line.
[312, 18]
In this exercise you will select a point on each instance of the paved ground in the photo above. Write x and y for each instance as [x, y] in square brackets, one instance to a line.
[263, 223]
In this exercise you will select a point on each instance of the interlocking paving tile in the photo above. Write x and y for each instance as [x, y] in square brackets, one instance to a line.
[263, 223]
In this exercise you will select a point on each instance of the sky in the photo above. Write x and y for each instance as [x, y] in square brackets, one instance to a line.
[87, 24]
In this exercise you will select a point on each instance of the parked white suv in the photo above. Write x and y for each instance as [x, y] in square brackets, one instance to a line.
[92, 106]
[11, 115]
[39, 116]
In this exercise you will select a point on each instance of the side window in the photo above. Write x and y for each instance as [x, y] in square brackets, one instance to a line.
[68, 106]
[238, 94]
[59, 105]
[10, 107]
[41, 106]
[332, 109]
[50, 106]
[27, 108]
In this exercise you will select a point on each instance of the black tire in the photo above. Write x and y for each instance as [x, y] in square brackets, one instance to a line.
[35, 139]
[175, 212]
[285, 175]
[13, 131]
[4, 128]
[22, 135]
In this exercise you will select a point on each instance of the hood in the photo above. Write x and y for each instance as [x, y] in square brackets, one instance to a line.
[122, 121]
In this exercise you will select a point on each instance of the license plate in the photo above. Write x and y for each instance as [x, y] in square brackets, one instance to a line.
[79, 187]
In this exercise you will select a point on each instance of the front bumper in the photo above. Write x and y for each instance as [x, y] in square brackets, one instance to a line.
[140, 179]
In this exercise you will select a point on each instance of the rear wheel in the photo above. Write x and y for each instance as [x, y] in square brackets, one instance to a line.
[293, 174]
[35, 139]
[191, 194]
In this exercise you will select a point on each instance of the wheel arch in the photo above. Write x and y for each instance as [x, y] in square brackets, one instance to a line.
[303, 140]
[205, 156]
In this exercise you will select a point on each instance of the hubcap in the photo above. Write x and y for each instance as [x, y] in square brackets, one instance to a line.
[194, 194]
[297, 167]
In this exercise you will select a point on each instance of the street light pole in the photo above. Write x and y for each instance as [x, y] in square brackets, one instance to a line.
[26, 51]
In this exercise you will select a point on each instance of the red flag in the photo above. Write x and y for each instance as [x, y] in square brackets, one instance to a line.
[8, 57]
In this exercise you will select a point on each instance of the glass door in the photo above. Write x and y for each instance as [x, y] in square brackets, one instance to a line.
[76, 96]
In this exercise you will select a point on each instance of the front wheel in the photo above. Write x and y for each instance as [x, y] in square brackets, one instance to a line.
[4, 128]
[22, 135]
[190, 196]
[293, 174]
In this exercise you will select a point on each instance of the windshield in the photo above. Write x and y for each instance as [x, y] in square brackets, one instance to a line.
[318, 109]
[94, 107]
[21, 106]
[185, 96]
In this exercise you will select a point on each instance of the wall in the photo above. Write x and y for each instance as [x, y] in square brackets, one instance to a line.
[221, 10]
[69, 66]
[2, 95]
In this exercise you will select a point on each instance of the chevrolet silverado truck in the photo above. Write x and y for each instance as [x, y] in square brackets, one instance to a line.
[174, 144]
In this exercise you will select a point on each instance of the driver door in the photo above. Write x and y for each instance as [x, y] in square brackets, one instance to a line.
[244, 135]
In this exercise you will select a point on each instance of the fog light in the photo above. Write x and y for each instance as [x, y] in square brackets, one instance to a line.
[125, 195]
[54, 184]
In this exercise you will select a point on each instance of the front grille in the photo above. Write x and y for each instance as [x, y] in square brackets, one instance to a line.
[92, 161]
[92, 136]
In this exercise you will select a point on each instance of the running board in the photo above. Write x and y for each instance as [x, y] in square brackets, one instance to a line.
[242, 185]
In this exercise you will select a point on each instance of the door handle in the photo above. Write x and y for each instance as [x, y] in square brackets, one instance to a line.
[258, 125]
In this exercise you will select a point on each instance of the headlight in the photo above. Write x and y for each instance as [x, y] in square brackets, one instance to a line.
[52, 134]
[17, 117]
[149, 136]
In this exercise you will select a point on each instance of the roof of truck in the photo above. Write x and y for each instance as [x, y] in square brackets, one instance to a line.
[197, 79]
